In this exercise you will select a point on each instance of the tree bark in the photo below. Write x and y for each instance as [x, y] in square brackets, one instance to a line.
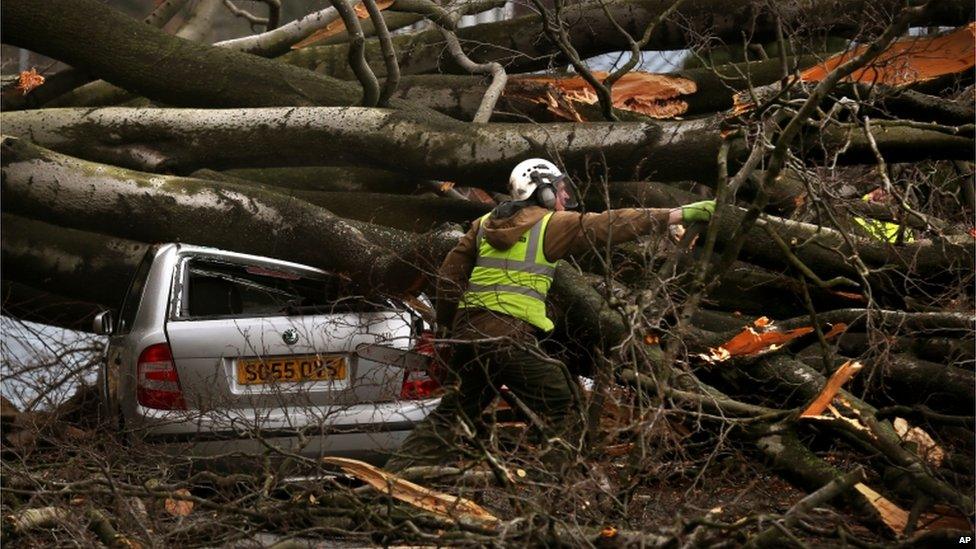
[520, 44]
[108, 44]
[459, 96]
[74, 193]
[182, 140]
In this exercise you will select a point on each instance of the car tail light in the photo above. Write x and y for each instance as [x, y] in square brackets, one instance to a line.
[421, 384]
[157, 383]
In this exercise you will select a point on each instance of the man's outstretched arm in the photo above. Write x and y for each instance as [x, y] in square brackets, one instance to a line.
[571, 232]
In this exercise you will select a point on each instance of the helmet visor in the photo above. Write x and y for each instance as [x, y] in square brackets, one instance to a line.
[566, 195]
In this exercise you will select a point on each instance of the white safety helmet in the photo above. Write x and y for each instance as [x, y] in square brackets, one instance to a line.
[538, 174]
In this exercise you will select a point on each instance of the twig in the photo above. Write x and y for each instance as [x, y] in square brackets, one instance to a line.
[242, 13]
[274, 14]
[357, 53]
[498, 76]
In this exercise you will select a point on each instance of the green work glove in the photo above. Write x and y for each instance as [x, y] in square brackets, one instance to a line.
[698, 211]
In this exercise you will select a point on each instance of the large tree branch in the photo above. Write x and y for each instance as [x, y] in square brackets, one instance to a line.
[91, 36]
[478, 154]
[518, 44]
[75, 193]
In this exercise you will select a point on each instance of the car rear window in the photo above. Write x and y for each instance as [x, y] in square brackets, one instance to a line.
[218, 289]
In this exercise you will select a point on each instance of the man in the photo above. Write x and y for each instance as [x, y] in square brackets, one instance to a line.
[492, 289]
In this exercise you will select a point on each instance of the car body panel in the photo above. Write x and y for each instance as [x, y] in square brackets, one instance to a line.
[357, 415]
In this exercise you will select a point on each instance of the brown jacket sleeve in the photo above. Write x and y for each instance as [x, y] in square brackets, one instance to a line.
[571, 232]
[453, 275]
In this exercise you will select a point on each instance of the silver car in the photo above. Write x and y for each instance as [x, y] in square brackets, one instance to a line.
[216, 353]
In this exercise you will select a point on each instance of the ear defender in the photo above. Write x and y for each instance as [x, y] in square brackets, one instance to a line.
[546, 197]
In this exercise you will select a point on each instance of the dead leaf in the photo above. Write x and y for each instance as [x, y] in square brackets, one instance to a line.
[893, 516]
[651, 339]
[179, 507]
[337, 26]
[443, 505]
[908, 61]
[833, 385]
[928, 449]
[29, 80]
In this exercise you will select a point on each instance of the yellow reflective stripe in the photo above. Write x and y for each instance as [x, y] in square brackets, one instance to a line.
[540, 249]
[506, 288]
[519, 266]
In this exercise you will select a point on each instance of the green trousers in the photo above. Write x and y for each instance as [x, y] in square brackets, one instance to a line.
[478, 370]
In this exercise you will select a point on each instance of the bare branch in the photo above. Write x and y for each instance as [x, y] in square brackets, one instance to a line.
[498, 76]
[357, 54]
[244, 14]
[389, 54]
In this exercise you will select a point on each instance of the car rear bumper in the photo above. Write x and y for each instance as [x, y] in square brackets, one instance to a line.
[365, 431]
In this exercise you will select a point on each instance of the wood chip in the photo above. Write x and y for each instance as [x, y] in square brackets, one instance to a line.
[833, 385]
[444, 505]
[893, 516]
[928, 449]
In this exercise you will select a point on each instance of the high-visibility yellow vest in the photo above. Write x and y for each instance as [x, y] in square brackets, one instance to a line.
[513, 281]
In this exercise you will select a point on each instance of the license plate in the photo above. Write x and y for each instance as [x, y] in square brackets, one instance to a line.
[287, 369]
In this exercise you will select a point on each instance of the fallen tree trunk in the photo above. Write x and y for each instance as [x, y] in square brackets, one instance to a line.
[405, 212]
[459, 96]
[471, 154]
[75, 193]
[78, 265]
[902, 379]
[108, 44]
[723, 21]
[330, 179]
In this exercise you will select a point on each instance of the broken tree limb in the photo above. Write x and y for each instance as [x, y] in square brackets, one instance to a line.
[892, 321]
[694, 91]
[81, 265]
[357, 61]
[75, 193]
[400, 211]
[158, 65]
[515, 43]
[786, 377]
[442, 149]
